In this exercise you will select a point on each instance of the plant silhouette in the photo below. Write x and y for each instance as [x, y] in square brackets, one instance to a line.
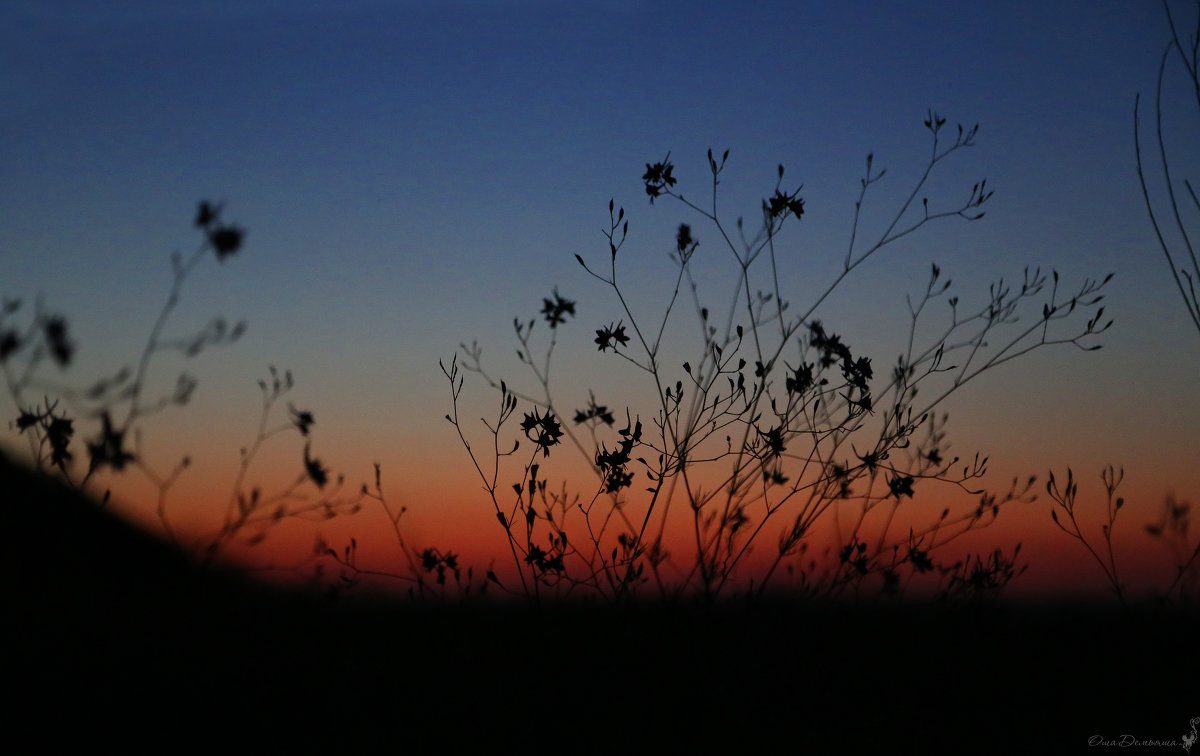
[1173, 221]
[116, 405]
[775, 429]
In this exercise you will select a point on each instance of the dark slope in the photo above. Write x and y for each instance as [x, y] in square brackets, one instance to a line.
[111, 636]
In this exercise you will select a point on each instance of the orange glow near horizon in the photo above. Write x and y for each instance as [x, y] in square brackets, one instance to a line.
[459, 517]
[410, 193]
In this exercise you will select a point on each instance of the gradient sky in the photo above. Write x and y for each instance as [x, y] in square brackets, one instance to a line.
[416, 174]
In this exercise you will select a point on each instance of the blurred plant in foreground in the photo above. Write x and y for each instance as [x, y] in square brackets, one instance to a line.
[115, 406]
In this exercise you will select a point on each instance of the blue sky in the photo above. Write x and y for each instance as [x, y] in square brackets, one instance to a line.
[415, 174]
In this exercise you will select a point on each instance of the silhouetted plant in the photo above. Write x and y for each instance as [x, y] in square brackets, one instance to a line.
[1179, 249]
[774, 420]
[1065, 500]
[256, 511]
[1178, 245]
[46, 337]
[976, 579]
[1172, 530]
[118, 404]
[431, 572]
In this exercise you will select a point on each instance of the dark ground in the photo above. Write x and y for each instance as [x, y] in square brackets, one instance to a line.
[113, 639]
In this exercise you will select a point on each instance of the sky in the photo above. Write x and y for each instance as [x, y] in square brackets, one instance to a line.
[414, 175]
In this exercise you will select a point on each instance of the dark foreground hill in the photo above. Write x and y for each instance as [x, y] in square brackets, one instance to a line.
[112, 640]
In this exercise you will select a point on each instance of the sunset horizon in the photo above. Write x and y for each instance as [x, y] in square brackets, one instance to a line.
[747, 351]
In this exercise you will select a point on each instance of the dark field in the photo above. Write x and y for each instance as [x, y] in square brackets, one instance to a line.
[112, 639]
